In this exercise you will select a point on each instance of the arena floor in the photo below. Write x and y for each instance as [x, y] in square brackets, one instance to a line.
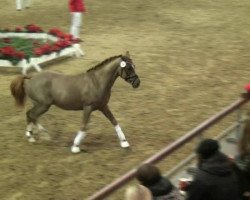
[193, 59]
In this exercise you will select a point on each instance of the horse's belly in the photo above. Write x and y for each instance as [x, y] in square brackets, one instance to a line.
[69, 105]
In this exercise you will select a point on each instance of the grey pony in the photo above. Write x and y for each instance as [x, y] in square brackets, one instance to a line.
[88, 92]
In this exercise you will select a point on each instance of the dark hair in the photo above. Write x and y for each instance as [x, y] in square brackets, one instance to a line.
[244, 141]
[207, 148]
[148, 174]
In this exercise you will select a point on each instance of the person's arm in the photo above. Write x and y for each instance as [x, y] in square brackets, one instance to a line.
[196, 191]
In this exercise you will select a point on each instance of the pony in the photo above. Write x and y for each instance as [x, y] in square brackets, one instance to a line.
[87, 91]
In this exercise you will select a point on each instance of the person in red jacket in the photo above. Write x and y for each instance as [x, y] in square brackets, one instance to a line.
[77, 8]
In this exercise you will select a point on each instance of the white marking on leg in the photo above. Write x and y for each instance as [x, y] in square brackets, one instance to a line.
[29, 127]
[29, 132]
[75, 149]
[77, 141]
[79, 137]
[123, 142]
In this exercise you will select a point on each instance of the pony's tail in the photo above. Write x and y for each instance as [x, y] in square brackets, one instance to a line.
[18, 90]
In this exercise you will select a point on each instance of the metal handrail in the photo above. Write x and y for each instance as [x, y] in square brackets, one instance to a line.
[107, 190]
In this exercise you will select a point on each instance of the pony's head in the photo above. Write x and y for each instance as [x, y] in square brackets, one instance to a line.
[127, 71]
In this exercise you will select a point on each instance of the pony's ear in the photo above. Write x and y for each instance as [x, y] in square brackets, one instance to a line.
[127, 54]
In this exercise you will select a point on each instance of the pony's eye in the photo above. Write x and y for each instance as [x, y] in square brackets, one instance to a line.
[123, 64]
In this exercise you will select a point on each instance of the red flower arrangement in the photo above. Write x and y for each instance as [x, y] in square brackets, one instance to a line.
[49, 48]
[18, 29]
[247, 87]
[55, 48]
[58, 33]
[32, 28]
[10, 52]
[39, 48]
[45, 49]
[64, 36]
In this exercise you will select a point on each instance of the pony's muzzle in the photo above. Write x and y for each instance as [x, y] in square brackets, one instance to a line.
[136, 82]
[133, 80]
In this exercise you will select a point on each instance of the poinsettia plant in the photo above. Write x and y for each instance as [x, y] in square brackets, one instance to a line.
[15, 49]
[8, 52]
[64, 36]
[32, 28]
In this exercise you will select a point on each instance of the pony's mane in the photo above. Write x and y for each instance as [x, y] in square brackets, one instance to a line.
[108, 60]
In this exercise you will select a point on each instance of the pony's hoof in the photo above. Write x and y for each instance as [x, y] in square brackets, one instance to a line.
[75, 149]
[124, 144]
[31, 140]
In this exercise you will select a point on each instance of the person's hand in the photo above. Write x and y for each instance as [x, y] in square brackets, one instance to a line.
[184, 183]
[247, 194]
[231, 158]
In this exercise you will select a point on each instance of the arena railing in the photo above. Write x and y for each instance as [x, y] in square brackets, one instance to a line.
[162, 154]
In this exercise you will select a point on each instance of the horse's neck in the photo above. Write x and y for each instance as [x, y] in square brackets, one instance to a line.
[106, 75]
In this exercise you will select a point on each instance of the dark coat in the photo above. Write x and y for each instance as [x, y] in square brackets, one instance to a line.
[215, 180]
[164, 190]
[242, 168]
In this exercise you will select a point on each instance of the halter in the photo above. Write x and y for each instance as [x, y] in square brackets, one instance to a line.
[123, 65]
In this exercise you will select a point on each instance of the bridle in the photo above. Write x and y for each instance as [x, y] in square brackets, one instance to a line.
[126, 70]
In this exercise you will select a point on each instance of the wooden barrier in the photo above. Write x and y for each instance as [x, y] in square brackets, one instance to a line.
[118, 183]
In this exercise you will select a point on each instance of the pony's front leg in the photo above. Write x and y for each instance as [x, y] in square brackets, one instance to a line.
[123, 142]
[82, 132]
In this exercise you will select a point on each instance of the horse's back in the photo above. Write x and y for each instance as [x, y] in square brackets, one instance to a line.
[38, 87]
[44, 78]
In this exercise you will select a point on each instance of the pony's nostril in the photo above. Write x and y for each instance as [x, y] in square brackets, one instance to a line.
[136, 83]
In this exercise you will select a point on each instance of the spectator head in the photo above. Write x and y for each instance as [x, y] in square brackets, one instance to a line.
[148, 174]
[137, 192]
[207, 148]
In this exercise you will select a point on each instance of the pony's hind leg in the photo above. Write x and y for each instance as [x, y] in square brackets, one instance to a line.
[32, 116]
[29, 132]
[123, 141]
